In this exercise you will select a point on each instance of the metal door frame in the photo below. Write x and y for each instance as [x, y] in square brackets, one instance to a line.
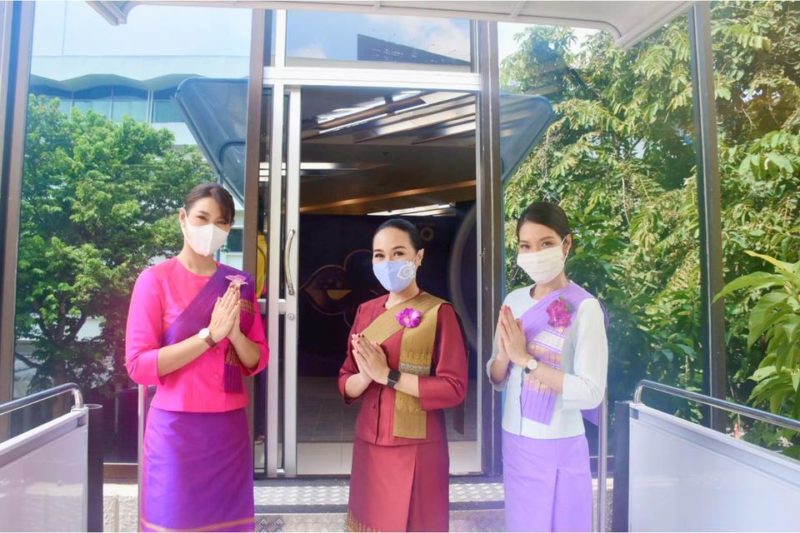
[286, 85]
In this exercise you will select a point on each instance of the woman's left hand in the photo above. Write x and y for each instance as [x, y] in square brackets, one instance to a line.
[371, 359]
[512, 337]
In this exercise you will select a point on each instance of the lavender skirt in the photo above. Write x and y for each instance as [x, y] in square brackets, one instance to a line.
[548, 484]
[197, 472]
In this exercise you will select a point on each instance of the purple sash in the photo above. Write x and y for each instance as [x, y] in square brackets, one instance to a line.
[197, 315]
[546, 325]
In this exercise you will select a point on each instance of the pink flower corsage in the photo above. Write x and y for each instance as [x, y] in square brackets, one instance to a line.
[409, 317]
[237, 280]
[559, 313]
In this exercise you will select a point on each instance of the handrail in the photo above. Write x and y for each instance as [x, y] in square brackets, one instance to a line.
[725, 405]
[44, 395]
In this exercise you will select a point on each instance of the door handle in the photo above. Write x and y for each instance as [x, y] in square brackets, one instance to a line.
[286, 263]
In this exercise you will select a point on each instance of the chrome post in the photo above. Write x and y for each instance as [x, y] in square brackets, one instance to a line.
[602, 466]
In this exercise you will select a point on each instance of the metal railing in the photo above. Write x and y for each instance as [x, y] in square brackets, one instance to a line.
[602, 467]
[725, 405]
[44, 395]
[90, 414]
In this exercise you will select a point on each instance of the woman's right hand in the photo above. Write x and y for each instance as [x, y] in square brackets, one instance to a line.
[223, 317]
[355, 341]
[512, 338]
[502, 353]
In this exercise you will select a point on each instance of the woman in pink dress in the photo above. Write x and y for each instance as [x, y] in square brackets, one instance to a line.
[193, 331]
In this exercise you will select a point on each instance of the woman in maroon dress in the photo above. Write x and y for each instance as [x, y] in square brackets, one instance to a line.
[407, 361]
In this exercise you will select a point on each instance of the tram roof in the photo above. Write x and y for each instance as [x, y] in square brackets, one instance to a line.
[628, 21]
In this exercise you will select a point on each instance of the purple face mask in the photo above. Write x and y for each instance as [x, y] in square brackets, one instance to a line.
[395, 275]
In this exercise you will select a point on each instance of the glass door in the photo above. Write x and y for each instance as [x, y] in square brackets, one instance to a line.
[351, 158]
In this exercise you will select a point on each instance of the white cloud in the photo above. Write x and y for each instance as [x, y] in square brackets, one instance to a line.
[310, 51]
[507, 44]
[439, 36]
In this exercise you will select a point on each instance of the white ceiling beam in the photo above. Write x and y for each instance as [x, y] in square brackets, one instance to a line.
[628, 21]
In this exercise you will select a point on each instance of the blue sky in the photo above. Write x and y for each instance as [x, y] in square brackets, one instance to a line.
[333, 35]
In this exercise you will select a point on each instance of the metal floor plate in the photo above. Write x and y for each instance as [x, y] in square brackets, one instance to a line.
[476, 504]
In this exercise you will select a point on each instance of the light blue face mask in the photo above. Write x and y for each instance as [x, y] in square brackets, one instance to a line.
[395, 275]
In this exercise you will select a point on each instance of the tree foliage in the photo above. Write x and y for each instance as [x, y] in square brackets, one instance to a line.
[775, 319]
[621, 161]
[98, 203]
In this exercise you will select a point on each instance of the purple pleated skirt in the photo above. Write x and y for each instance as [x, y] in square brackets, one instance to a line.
[197, 473]
[548, 484]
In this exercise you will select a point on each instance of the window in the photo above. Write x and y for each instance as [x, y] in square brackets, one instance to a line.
[165, 109]
[64, 97]
[235, 241]
[97, 99]
[130, 102]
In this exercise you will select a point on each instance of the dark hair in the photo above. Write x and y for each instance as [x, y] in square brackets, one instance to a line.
[546, 214]
[403, 225]
[215, 191]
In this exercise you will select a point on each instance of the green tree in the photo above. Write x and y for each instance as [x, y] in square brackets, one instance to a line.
[98, 204]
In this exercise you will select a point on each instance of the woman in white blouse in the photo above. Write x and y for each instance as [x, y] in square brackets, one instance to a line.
[550, 361]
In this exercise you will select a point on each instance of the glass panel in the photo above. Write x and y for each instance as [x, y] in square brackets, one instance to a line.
[758, 97]
[234, 243]
[99, 206]
[216, 111]
[97, 99]
[164, 107]
[129, 102]
[361, 40]
[620, 160]
[64, 97]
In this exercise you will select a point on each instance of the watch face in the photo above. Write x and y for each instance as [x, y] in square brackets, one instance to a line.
[204, 333]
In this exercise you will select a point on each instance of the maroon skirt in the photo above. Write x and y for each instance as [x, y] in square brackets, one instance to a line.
[399, 488]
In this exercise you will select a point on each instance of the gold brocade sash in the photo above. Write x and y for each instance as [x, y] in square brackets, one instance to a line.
[416, 355]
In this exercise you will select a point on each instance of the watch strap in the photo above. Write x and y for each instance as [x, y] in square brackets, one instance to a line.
[205, 334]
[394, 377]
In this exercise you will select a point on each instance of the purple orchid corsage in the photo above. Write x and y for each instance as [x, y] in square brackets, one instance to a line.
[237, 280]
[409, 317]
[559, 313]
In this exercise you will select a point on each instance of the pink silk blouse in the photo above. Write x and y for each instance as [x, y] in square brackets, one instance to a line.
[160, 295]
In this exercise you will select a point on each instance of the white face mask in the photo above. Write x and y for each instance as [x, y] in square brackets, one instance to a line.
[204, 240]
[543, 266]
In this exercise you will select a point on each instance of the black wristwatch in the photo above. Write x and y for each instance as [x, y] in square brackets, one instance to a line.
[394, 377]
